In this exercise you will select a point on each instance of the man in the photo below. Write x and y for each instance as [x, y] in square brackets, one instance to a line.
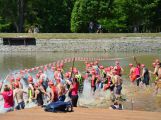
[18, 94]
[118, 84]
[53, 92]
[119, 70]
[157, 72]
[145, 75]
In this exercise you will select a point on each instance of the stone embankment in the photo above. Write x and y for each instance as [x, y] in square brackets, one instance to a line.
[123, 44]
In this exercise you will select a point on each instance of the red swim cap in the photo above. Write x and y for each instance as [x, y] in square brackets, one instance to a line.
[30, 79]
[18, 78]
[130, 64]
[96, 62]
[67, 75]
[37, 75]
[36, 85]
[101, 67]
[142, 65]
[50, 83]
[16, 85]
[41, 81]
[116, 62]
[12, 79]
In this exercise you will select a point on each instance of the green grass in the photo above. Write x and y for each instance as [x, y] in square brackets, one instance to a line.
[78, 35]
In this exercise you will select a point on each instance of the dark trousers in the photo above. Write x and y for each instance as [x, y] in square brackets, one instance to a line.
[138, 80]
[74, 100]
[20, 106]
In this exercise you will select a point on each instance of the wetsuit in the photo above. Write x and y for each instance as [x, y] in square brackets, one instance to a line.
[146, 77]
[40, 98]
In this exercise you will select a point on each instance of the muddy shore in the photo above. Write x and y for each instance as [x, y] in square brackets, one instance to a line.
[81, 114]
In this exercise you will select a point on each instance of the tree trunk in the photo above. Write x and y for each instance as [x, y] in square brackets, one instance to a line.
[21, 15]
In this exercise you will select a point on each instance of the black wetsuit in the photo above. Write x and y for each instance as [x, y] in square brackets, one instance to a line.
[146, 77]
[40, 98]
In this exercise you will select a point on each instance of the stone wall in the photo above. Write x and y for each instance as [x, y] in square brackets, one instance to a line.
[124, 44]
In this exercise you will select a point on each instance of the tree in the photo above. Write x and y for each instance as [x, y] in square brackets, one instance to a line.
[104, 12]
[13, 12]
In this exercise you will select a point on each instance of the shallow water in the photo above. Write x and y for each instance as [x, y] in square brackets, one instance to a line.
[143, 98]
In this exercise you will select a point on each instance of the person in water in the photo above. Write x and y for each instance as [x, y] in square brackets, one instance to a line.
[132, 74]
[8, 99]
[38, 95]
[61, 91]
[18, 94]
[145, 75]
[53, 92]
[74, 92]
[138, 72]
[157, 73]
[119, 70]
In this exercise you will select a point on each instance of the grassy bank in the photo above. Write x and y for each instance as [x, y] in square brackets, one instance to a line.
[78, 35]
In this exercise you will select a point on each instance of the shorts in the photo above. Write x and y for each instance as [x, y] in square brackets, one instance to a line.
[20, 106]
[118, 89]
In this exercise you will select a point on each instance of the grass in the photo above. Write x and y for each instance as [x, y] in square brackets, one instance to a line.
[78, 35]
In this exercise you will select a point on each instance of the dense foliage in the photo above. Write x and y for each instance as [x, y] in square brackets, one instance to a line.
[77, 15]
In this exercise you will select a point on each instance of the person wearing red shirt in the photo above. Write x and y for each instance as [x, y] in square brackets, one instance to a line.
[8, 99]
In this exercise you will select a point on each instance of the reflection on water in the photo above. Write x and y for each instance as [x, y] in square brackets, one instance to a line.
[143, 98]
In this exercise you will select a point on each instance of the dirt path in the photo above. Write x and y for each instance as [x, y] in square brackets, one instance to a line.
[81, 114]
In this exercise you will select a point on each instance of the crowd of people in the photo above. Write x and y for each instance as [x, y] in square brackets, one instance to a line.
[43, 90]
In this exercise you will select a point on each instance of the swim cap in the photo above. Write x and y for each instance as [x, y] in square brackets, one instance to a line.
[50, 83]
[67, 75]
[61, 65]
[36, 85]
[101, 67]
[18, 78]
[130, 64]
[12, 79]
[142, 65]
[16, 85]
[37, 75]
[41, 81]
[45, 68]
[58, 69]
[30, 79]
[96, 62]
[117, 62]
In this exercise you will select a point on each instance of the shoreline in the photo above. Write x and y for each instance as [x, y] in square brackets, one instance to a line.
[121, 44]
[81, 114]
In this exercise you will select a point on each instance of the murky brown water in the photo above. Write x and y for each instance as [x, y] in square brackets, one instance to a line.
[143, 98]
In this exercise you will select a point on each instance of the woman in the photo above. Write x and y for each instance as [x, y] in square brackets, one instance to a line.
[74, 92]
[8, 99]
[38, 95]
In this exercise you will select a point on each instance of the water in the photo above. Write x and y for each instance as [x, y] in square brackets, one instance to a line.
[143, 98]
